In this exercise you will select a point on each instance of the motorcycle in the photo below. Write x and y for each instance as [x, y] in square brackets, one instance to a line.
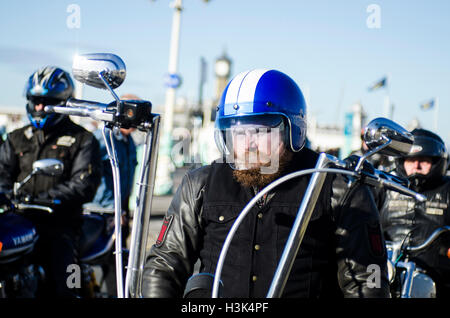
[107, 71]
[408, 280]
[20, 276]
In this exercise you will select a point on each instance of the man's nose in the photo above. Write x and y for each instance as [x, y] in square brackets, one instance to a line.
[417, 164]
[250, 140]
[421, 164]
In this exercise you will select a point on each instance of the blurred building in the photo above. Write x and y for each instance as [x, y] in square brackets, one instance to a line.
[12, 117]
[341, 139]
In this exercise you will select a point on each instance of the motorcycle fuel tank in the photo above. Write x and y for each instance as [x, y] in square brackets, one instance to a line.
[17, 236]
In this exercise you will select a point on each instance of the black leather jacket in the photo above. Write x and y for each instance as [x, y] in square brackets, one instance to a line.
[403, 217]
[343, 237]
[73, 145]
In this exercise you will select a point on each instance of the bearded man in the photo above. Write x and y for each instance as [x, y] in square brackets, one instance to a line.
[261, 132]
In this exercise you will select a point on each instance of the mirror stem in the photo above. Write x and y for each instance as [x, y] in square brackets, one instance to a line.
[371, 152]
[118, 103]
[102, 77]
[19, 185]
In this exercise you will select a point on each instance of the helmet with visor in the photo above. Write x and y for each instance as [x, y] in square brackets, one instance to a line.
[262, 105]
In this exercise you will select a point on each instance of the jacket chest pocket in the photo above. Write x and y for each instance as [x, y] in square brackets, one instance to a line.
[58, 152]
[284, 220]
[219, 219]
[285, 214]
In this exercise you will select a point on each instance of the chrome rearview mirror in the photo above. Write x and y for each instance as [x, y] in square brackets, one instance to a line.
[49, 167]
[99, 70]
[391, 138]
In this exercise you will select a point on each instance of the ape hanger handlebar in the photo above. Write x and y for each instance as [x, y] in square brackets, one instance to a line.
[107, 71]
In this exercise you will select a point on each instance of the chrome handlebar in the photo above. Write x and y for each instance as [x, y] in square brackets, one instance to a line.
[137, 114]
[73, 102]
[25, 206]
[82, 108]
[378, 178]
[391, 182]
[122, 113]
[433, 237]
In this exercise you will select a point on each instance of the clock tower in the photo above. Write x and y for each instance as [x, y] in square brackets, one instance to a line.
[222, 70]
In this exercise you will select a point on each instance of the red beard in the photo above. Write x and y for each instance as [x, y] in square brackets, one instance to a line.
[254, 178]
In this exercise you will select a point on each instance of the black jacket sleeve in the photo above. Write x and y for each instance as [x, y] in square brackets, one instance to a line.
[171, 260]
[360, 250]
[8, 166]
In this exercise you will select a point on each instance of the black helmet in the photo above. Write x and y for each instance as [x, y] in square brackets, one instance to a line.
[49, 86]
[426, 144]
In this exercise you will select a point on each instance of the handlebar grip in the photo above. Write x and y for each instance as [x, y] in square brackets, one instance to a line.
[24, 206]
[429, 240]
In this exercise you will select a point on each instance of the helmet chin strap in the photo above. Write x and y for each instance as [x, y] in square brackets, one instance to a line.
[417, 181]
[420, 182]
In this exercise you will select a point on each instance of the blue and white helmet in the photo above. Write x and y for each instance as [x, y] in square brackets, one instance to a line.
[49, 85]
[264, 97]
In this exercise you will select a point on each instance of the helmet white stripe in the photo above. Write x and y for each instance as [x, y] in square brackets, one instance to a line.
[248, 87]
[232, 93]
[242, 89]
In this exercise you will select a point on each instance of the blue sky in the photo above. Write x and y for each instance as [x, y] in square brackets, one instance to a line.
[325, 45]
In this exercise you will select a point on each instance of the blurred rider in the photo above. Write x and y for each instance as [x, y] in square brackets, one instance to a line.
[51, 135]
[403, 218]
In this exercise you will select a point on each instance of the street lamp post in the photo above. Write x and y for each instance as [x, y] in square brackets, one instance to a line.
[164, 182]
[173, 66]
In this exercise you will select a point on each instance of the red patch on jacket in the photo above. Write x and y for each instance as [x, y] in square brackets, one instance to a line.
[163, 233]
[375, 240]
